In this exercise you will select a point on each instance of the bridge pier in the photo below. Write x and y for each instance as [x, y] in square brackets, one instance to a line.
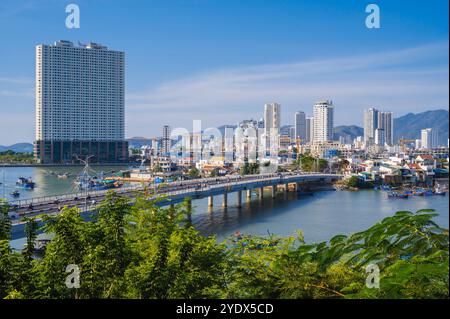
[249, 193]
[239, 199]
[286, 187]
[211, 201]
[225, 200]
[261, 192]
[274, 191]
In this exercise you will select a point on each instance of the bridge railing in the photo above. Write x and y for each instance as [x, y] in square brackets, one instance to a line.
[226, 180]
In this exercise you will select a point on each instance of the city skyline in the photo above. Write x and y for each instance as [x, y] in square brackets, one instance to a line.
[398, 67]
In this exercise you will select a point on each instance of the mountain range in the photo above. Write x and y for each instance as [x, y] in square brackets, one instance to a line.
[18, 148]
[407, 126]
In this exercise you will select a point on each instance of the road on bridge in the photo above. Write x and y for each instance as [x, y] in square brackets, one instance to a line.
[87, 200]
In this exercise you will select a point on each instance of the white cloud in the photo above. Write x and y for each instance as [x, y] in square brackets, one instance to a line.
[402, 80]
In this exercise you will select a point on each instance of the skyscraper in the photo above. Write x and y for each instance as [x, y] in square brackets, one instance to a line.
[309, 129]
[380, 137]
[323, 121]
[370, 125]
[300, 125]
[386, 123]
[429, 138]
[79, 103]
[271, 124]
[166, 142]
[375, 119]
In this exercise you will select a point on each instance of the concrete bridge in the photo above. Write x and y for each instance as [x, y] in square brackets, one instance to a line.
[173, 192]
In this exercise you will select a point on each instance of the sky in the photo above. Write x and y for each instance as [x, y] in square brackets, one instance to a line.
[219, 61]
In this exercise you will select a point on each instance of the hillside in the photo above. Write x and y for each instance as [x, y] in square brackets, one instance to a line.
[19, 148]
[409, 125]
[350, 131]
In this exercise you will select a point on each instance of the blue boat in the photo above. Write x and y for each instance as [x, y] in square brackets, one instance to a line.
[397, 195]
[26, 183]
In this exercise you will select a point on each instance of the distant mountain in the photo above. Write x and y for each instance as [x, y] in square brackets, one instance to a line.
[409, 125]
[19, 148]
[348, 132]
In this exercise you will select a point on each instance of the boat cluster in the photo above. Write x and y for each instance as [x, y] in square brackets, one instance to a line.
[24, 183]
[415, 191]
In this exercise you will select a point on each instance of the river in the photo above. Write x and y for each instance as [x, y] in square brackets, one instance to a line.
[320, 216]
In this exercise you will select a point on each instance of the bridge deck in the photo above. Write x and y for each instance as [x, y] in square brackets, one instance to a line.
[173, 192]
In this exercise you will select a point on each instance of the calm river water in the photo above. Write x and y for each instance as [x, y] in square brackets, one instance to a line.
[320, 216]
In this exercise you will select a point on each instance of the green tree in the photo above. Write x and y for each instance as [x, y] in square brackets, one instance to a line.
[5, 220]
[357, 182]
[172, 261]
[308, 163]
[68, 246]
[107, 253]
[194, 173]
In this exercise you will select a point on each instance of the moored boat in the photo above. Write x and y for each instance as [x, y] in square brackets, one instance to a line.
[26, 183]
[397, 195]
[15, 193]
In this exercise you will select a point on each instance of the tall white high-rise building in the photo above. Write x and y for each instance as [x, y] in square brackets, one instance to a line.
[271, 124]
[380, 137]
[300, 125]
[429, 138]
[370, 125]
[309, 129]
[80, 96]
[166, 142]
[323, 121]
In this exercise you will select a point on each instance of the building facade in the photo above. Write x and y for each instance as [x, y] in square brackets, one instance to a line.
[386, 123]
[370, 125]
[271, 125]
[380, 137]
[79, 104]
[300, 126]
[429, 138]
[323, 121]
[166, 142]
[375, 119]
[309, 129]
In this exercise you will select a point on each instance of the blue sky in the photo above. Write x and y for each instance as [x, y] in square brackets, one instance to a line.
[220, 60]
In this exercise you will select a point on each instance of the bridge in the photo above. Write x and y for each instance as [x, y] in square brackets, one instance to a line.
[173, 192]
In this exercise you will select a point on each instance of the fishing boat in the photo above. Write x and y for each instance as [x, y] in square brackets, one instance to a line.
[86, 181]
[15, 193]
[26, 183]
[438, 190]
[397, 195]
[422, 192]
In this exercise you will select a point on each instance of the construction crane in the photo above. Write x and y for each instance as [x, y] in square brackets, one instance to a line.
[403, 142]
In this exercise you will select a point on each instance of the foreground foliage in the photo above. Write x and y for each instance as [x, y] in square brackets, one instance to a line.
[145, 251]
